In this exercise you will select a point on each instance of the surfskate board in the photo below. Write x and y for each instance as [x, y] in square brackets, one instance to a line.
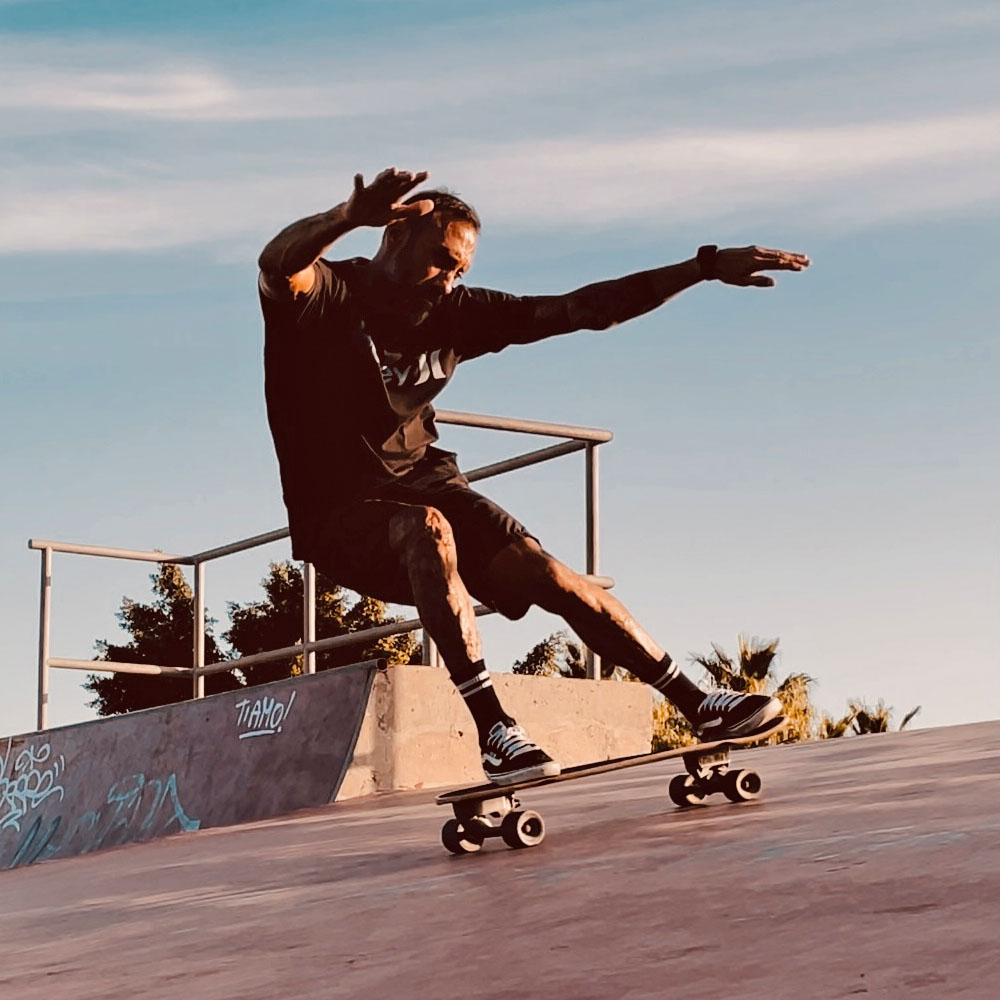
[485, 811]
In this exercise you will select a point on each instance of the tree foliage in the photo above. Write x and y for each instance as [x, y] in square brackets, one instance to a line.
[862, 719]
[276, 621]
[557, 655]
[161, 634]
[753, 673]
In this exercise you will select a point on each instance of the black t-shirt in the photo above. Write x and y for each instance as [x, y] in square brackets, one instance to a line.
[349, 393]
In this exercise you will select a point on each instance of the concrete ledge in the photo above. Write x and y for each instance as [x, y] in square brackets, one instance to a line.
[417, 732]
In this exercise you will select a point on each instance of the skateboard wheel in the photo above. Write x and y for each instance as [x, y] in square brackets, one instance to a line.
[684, 791]
[741, 786]
[460, 839]
[522, 829]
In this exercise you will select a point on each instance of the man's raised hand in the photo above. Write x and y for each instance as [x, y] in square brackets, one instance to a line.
[378, 204]
[739, 265]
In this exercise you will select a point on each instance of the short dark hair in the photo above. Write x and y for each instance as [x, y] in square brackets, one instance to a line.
[449, 206]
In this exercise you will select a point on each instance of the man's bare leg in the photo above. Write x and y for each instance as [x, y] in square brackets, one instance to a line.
[602, 622]
[424, 541]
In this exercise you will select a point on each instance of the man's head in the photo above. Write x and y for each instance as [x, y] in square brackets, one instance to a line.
[423, 257]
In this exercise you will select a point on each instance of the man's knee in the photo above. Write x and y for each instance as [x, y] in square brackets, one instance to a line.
[538, 577]
[418, 527]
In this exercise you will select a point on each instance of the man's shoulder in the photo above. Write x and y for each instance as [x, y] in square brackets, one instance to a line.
[349, 267]
[334, 283]
[350, 273]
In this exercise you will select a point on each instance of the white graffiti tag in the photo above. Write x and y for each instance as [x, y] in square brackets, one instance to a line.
[27, 784]
[262, 716]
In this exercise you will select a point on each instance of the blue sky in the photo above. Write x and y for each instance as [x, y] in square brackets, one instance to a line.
[818, 461]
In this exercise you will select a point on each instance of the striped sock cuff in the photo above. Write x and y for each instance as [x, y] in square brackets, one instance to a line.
[671, 672]
[474, 685]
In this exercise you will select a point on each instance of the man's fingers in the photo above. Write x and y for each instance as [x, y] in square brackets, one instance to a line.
[401, 179]
[359, 183]
[421, 207]
[762, 281]
[781, 260]
[783, 264]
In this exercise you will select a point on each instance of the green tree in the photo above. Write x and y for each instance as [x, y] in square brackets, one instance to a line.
[753, 673]
[276, 622]
[863, 719]
[161, 634]
[670, 728]
[557, 655]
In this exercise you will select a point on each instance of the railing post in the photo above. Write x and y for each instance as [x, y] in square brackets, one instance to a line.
[308, 617]
[428, 647]
[593, 540]
[198, 659]
[44, 619]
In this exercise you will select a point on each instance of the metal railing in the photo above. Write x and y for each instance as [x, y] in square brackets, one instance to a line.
[586, 439]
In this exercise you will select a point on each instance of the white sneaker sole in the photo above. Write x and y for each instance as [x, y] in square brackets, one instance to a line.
[548, 770]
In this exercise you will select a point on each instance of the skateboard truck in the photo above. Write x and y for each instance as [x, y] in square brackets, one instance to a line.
[708, 772]
[500, 816]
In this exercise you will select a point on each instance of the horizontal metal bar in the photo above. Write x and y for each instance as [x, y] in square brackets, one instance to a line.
[523, 426]
[321, 645]
[112, 667]
[247, 543]
[268, 656]
[103, 550]
[353, 638]
[522, 461]
[221, 666]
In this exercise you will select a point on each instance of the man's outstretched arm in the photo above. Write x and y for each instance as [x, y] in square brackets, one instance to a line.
[287, 261]
[605, 303]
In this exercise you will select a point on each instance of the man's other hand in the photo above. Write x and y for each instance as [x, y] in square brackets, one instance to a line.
[378, 204]
[739, 265]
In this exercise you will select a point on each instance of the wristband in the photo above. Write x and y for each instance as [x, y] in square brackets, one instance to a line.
[706, 261]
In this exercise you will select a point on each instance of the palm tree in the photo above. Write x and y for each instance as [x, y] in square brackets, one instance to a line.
[863, 719]
[753, 673]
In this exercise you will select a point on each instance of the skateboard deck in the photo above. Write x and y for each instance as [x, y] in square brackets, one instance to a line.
[489, 810]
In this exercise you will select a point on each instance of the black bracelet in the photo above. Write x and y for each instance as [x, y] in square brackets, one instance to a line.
[706, 261]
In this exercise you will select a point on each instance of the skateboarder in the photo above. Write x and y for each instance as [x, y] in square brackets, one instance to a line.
[355, 350]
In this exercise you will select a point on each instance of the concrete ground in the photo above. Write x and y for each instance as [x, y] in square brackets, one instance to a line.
[871, 866]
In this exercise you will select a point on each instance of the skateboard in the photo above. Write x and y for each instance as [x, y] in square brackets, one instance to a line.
[484, 811]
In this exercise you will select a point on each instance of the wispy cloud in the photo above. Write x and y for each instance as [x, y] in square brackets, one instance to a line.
[840, 177]
[830, 119]
[597, 51]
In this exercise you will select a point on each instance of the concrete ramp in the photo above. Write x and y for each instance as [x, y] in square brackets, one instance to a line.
[868, 870]
[232, 758]
[272, 749]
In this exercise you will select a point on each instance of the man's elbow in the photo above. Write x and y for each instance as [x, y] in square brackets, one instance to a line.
[270, 261]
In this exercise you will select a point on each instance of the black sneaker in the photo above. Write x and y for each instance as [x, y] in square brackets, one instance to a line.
[726, 713]
[509, 756]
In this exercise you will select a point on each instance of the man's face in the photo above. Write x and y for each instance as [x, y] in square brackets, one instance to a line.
[425, 261]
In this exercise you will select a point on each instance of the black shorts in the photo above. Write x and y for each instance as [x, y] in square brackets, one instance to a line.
[352, 548]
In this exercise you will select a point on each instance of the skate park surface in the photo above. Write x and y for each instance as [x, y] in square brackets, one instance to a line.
[869, 867]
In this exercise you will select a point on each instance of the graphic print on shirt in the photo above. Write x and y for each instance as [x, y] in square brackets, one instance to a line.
[397, 370]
